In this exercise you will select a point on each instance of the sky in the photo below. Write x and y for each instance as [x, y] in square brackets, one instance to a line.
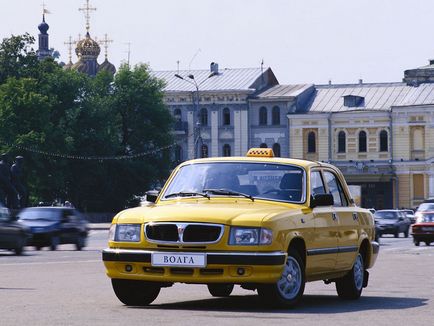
[303, 41]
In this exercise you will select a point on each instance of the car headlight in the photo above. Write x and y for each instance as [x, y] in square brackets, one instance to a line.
[420, 219]
[125, 232]
[241, 236]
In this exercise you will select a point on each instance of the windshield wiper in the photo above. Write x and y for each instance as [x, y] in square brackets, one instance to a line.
[186, 193]
[228, 193]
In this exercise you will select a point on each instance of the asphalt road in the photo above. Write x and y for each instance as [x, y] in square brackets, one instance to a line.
[67, 287]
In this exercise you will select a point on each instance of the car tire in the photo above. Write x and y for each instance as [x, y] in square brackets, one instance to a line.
[54, 242]
[38, 248]
[19, 250]
[416, 243]
[289, 289]
[81, 242]
[220, 290]
[350, 286]
[135, 293]
[406, 232]
[396, 234]
[427, 243]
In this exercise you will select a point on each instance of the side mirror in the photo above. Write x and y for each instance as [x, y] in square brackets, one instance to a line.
[321, 200]
[152, 195]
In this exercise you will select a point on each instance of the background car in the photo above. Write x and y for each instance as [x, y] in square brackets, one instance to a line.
[410, 214]
[423, 229]
[52, 226]
[392, 221]
[13, 235]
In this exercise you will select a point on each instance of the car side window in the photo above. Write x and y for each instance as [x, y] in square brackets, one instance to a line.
[335, 188]
[316, 183]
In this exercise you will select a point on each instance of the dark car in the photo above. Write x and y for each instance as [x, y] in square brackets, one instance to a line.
[423, 229]
[52, 226]
[13, 235]
[392, 221]
[410, 214]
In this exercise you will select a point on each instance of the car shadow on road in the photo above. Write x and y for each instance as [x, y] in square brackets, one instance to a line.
[311, 304]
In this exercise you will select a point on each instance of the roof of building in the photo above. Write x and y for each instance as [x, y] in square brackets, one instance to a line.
[420, 95]
[283, 91]
[238, 79]
[377, 97]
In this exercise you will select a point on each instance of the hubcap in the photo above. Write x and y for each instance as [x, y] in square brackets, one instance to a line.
[290, 281]
[358, 272]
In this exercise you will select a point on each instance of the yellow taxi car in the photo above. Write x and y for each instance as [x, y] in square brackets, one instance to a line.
[268, 224]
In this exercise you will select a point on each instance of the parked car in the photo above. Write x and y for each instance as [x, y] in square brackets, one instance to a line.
[268, 224]
[52, 226]
[423, 229]
[13, 235]
[392, 221]
[410, 214]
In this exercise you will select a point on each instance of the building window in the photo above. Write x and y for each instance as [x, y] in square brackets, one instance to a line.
[362, 142]
[226, 117]
[178, 154]
[204, 117]
[418, 186]
[263, 116]
[275, 116]
[204, 151]
[276, 149]
[311, 142]
[226, 150]
[384, 146]
[342, 142]
[177, 114]
[263, 145]
[352, 101]
[417, 139]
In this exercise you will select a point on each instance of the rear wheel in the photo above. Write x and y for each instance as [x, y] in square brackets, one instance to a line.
[416, 243]
[427, 243]
[350, 286]
[135, 293]
[406, 232]
[220, 290]
[54, 242]
[396, 234]
[81, 242]
[288, 290]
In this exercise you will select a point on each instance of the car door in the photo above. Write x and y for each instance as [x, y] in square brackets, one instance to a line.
[348, 225]
[322, 250]
[69, 227]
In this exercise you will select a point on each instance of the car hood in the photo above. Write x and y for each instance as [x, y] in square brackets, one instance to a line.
[228, 212]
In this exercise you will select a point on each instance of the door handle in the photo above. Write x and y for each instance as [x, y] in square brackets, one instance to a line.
[334, 216]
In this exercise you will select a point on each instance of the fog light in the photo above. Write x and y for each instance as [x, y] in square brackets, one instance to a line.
[240, 271]
[128, 268]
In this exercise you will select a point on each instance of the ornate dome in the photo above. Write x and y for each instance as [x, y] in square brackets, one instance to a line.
[107, 66]
[68, 66]
[88, 47]
[84, 67]
[43, 27]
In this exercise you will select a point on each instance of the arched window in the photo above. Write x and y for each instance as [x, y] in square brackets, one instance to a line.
[226, 117]
[384, 146]
[178, 154]
[226, 150]
[204, 117]
[263, 145]
[311, 142]
[362, 141]
[342, 142]
[275, 116]
[263, 116]
[276, 149]
[204, 151]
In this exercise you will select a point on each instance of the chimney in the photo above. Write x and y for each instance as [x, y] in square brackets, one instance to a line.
[360, 81]
[214, 67]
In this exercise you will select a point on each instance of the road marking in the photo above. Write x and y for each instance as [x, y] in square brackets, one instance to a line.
[52, 262]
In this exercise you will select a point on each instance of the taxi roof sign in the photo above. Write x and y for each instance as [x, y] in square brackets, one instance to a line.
[260, 152]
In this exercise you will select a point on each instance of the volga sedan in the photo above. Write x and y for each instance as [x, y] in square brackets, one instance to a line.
[423, 229]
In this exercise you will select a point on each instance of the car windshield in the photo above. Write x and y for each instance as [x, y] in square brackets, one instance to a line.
[4, 214]
[386, 215]
[426, 207]
[253, 180]
[47, 214]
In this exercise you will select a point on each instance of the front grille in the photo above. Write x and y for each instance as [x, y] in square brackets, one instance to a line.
[188, 233]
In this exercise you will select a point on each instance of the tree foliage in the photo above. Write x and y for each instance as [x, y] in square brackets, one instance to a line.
[62, 112]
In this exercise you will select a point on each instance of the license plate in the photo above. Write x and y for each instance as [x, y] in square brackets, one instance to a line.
[178, 259]
[428, 228]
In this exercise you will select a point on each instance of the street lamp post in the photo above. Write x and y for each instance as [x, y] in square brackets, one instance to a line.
[196, 106]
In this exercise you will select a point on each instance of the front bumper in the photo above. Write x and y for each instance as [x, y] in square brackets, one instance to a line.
[222, 267]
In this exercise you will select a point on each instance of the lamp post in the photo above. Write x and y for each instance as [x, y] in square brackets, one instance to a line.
[196, 104]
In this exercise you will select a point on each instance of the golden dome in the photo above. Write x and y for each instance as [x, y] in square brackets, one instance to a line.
[87, 47]
[107, 66]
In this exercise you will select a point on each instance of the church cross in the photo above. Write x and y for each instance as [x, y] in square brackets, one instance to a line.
[70, 43]
[87, 8]
[105, 42]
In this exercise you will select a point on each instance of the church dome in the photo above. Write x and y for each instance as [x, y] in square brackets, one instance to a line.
[107, 66]
[88, 47]
[43, 27]
[68, 66]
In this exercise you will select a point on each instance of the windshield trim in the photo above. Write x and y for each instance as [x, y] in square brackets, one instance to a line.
[303, 199]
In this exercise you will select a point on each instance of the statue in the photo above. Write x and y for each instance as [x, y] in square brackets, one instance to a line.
[16, 175]
[8, 193]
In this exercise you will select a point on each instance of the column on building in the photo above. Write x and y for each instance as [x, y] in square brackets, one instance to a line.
[191, 135]
[214, 133]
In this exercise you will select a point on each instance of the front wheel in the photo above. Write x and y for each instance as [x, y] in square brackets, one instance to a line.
[288, 290]
[135, 293]
[406, 232]
[350, 286]
[220, 290]
[80, 243]
[54, 242]
[416, 243]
